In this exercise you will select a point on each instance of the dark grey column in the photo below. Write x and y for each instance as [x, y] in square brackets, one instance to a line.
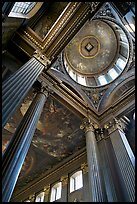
[124, 157]
[64, 193]
[17, 149]
[96, 187]
[102, 141]
[86, 191]
[6, 9]
[15, 88]
[46, 193]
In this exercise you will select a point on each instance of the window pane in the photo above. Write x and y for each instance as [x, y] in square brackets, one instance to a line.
[81, 80]
[102, 80]
[53, 193]
[113, 74]
[22, 7]
[120, 63]
[71, 184]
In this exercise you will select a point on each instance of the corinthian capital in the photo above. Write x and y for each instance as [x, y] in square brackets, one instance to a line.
[114, 124]
[42, 58]
[64, 180]
[87, 125]
[47, 189]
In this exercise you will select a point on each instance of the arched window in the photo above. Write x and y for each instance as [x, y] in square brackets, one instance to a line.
[76, 181]
[56, 192]
[40, 197]
[25, 9]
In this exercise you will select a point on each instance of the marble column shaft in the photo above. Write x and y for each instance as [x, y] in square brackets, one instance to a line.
[97, 189]
[18, 147]
[16, 87]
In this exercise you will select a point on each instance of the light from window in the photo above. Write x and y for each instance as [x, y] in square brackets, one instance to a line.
[120, 63]
[56, 192]
[40, 197]
[102, 80]
[130, 27]
[81, 80]
[22, 7]
[134, 116]
[76, 181]
[113, 74]
[72, 74]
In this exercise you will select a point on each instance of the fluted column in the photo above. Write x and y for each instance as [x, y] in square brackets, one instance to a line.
[96, 187]
[86, 191]
[18, 147]
[6, 9]
[64, 194]
[46, 193]
[125, 159]
[16, 87]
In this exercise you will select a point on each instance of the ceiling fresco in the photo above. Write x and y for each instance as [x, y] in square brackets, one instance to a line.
[57, 136]
[46, 22]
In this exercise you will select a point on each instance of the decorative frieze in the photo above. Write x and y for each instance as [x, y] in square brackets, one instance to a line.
[93, 5]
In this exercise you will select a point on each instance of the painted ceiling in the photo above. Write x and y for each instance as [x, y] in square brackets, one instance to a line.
[93, 53]
[57, 136]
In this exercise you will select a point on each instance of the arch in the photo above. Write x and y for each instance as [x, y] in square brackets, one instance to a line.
[109, 96]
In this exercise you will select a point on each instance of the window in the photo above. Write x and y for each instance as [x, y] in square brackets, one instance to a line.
[102, 80]
[76, 181]
[22, 7]
[121, 63]
[113, 74]
[40, 197]
[56, 192]
[81, 80]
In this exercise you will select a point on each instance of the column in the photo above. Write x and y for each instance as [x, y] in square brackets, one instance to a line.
[96, 186]
[64, 194]
[105, 153]
[16, 87]
[46, 193]
[32, 198]
[124, 159]
[17, 149]
[6, 9]
[86, 192]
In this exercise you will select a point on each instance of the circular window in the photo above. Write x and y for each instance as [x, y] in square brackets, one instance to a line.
[97, 54]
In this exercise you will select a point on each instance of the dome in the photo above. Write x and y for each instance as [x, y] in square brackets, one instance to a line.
[97, 54]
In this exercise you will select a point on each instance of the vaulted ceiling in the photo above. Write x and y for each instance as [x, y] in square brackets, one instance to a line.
[53, 28]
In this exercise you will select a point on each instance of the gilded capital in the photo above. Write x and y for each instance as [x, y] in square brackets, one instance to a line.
[84, 168]
[32, 197]
[47, 189]
[87, 125]
[64, 180]
[114, 124]
[41, 57]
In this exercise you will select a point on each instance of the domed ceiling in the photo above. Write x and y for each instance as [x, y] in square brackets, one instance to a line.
[94, 51]
[95, 42]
